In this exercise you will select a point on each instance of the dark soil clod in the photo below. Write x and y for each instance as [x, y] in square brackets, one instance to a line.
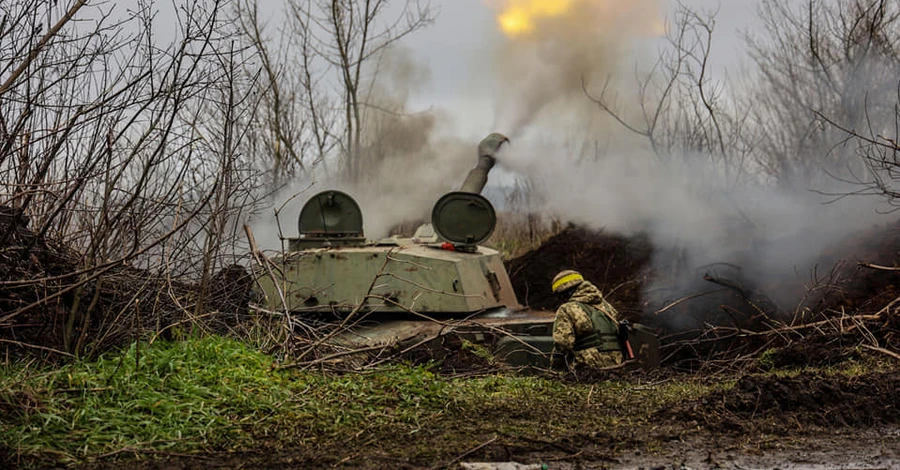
[791, 403]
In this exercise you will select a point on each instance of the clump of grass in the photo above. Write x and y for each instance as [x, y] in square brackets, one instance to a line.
[185, 395]
[216, 393]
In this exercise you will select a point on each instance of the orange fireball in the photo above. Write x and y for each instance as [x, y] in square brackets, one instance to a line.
[518, 17]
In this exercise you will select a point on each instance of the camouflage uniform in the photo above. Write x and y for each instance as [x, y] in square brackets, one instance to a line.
[573, 323]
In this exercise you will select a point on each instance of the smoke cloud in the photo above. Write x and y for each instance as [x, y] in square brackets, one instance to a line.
[554, 47]
[756, 235]
[754, 232]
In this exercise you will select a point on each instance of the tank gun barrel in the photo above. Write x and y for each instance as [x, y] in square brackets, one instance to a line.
[487, 151]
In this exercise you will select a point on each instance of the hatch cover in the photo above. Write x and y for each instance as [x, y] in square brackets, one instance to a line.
[331, 214]
[463, 218]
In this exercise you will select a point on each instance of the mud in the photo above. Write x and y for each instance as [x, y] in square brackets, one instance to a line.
[787, 404]
[875, 449]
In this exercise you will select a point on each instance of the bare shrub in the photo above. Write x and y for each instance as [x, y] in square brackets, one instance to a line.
[324, 45]
[837, 59]
[118, 157]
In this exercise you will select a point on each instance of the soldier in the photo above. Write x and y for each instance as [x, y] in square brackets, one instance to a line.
[586, 329]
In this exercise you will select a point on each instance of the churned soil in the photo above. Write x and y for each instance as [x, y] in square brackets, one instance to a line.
[783, 404]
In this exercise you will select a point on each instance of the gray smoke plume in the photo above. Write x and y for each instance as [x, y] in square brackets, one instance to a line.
[702, 219]
[770, 236]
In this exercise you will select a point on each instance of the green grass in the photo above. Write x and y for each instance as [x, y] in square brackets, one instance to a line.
[182, 395]
[216, 394]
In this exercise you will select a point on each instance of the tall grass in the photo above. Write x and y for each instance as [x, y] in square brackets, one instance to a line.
[172, 394]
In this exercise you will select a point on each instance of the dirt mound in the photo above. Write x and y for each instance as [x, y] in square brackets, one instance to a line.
[24, 256]
[857, 287]
[771, 403]
[618, 265]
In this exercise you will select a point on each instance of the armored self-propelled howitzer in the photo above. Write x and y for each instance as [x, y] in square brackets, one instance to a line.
[410, 291]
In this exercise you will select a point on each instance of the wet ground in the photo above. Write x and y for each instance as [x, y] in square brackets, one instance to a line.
[846, 450]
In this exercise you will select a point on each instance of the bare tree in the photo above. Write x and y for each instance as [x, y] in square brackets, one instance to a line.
[683, 111]
[879, 151]
[319, 75]
[838, 59]
[298, 123]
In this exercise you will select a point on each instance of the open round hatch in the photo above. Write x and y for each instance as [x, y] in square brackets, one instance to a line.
[331, 214]
[463, 218]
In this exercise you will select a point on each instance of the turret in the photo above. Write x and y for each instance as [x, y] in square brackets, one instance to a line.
[332, 268]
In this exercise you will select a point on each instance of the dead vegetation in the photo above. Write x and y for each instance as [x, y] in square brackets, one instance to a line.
[53, 307]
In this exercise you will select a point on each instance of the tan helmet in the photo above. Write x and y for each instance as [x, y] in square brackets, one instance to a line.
[566, 280]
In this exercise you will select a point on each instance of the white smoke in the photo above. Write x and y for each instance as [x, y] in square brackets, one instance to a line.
[769, 234]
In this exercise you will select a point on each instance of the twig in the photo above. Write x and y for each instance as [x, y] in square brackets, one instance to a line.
[882, 350]
[329, 357]
[464, 454]
[260, 260]
[40, 45]
[744, 293]
[727, 283]
[685, 299]
[34, 346]
[878, 267]
[181, 322]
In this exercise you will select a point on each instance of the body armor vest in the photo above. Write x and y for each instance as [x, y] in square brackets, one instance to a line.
[605, 336]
